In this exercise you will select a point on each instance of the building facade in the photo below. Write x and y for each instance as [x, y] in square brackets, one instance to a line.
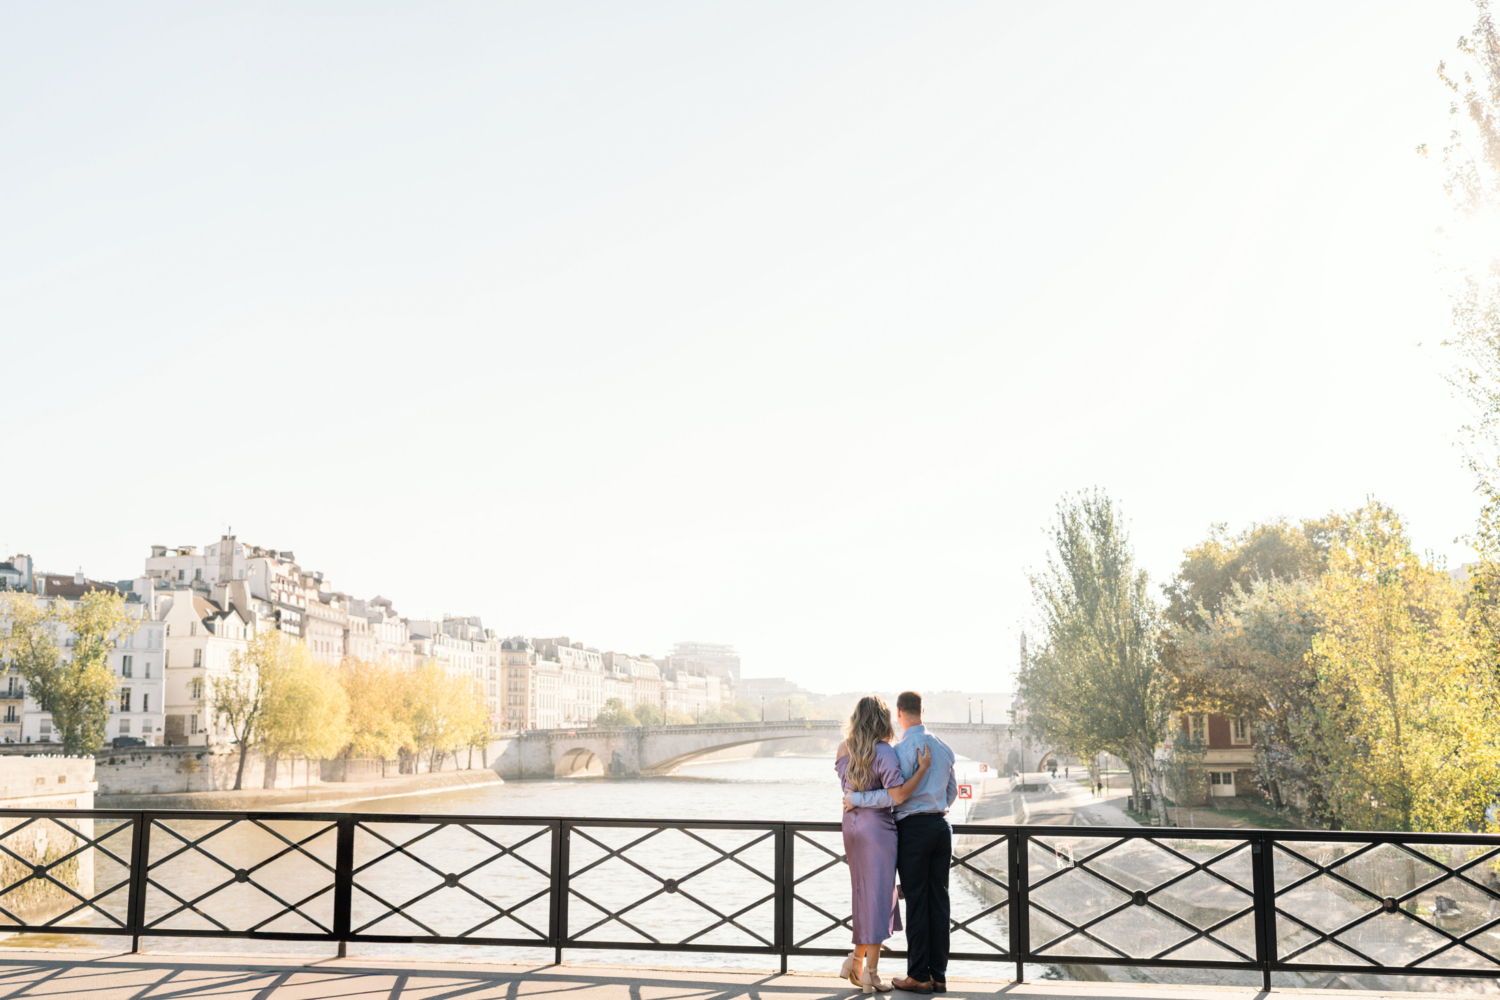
[201, 640]
[1229, 757]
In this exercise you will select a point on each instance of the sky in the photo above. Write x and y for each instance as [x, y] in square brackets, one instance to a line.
[783, 325]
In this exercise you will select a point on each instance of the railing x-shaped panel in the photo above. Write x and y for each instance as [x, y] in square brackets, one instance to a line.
[632, 877]
[242, 876]
[60, 870]
[1140, 899]
[1332, 915]
[821, 908]
[463, 881]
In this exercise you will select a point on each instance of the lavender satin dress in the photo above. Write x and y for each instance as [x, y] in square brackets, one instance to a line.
[870, 844]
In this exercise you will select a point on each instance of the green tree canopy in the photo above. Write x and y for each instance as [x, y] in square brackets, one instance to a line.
[615, 713]
[1095, 682]
[76, 691]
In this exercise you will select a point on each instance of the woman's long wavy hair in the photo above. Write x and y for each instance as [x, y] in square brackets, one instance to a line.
[868, 726]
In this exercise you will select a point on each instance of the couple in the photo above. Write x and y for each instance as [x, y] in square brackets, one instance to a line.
[895, 800]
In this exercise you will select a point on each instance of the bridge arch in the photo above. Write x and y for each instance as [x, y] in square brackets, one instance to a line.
[579, 762]
[671, 764]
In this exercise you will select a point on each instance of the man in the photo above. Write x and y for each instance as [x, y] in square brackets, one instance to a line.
[924, 848]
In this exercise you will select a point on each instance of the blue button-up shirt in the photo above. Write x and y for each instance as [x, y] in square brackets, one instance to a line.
[938, 788]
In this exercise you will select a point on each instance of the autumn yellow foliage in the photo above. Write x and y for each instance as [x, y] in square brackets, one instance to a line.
[1407, 711]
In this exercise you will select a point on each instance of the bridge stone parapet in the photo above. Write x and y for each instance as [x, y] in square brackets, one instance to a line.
[626, 751]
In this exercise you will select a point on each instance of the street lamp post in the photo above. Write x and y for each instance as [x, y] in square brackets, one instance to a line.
[762, 708]
[981, 711]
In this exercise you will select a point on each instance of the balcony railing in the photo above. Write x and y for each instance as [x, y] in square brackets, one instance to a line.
[1253, 900]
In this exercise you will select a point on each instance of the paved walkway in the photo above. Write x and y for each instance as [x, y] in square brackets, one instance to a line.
[1063, 802]
[103, 976]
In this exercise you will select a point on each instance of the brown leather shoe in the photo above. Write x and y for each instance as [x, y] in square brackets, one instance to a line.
[911, 985]
[938, 986]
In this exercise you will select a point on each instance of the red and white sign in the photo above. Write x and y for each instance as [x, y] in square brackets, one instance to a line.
[983, 768]
[966, 791]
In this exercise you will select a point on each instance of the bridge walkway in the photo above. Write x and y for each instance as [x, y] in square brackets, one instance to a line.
[74, 975]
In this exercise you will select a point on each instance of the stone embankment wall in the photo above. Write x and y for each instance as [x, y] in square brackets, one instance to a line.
[166, 770]
[182, 770]
[47, 782]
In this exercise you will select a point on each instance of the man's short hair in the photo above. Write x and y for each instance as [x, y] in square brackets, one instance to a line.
[909, 702]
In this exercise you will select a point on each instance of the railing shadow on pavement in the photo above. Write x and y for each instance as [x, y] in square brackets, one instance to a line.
[1247, 900]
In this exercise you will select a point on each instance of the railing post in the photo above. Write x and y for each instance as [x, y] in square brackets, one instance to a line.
[559, 908]
[1263, 877]
[783, 891]
[343, 883]
[140, 861]
[1020, 932]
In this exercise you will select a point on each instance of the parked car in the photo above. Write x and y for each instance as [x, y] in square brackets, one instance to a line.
[127, 741]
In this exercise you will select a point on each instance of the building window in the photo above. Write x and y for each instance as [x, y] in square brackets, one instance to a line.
[146, 702]
[46, 729]
[125, 666]
[166, 659]
[1239, 731]
[1197, 728]
[192, 628]
[197, 688]
[197, 657]
[124, 727]
[147, 667]
[192, 725]
[125, 699]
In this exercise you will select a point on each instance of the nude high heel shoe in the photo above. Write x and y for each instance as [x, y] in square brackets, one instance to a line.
[870, 981]
[846, 971]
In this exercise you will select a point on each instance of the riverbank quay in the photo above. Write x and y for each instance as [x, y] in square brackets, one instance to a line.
[324, 796]
[115, 976]
[1059, 802]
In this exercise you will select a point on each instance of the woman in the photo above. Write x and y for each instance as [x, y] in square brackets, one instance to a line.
[865, 761]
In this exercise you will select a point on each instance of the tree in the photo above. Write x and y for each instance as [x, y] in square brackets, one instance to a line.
[1407, 703]
[733, 711]
[1250, 660]
[615, 713]
[305, 710]
[1471, 163]
[380, 722]
[648, 715]
[1095, 683]
[1241, 621]
[1183, 765]
[239, 695]
[77, 691]
[1222, 565]
[445, 710]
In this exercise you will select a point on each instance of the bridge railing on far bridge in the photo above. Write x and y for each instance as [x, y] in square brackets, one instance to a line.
[1251, 900]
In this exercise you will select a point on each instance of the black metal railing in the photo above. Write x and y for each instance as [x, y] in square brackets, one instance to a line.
[1254, 900]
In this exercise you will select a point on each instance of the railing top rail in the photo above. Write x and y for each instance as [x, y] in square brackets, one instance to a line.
[828, 826]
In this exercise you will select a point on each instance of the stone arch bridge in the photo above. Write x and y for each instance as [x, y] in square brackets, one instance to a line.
[635, 750]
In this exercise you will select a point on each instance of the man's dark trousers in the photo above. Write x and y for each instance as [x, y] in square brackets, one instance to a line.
[924, 850]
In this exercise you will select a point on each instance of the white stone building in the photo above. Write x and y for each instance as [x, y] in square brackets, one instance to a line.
[201, 640]
[532, 685]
